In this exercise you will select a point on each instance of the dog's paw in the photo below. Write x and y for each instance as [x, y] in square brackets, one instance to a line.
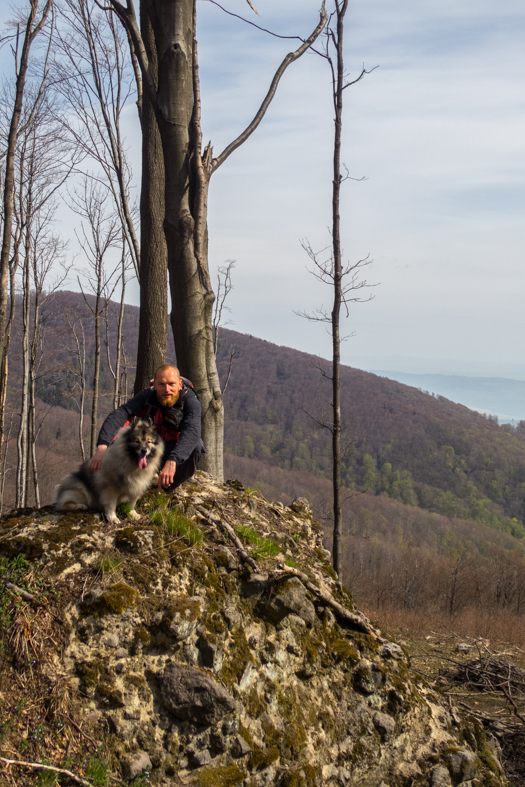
[134, 515]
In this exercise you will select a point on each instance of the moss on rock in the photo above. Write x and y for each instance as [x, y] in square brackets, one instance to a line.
[219, 777]
[113, 601]
[261, 758]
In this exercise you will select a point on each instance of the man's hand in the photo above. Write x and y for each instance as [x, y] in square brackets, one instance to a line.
[167, 474]
[97, 459]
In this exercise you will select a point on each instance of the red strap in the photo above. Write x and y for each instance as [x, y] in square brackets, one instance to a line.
[120, 430]
[166, 434]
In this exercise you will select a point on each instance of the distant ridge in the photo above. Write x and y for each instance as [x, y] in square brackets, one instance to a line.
[498, 396]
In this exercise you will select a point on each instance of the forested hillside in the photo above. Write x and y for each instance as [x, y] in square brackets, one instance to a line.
[400, 442]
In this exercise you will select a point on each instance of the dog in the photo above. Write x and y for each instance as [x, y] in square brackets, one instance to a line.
[127, 470]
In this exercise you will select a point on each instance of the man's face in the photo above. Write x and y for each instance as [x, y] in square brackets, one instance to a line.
[167, 384]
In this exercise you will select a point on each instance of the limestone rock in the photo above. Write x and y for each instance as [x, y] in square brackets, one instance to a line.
[384, 724]
[138, 763]
[253, 589]
[440, 777]
[462, 765]
[288, 598]
[368, 677]
[301, 506]
[240, 747]
[391, 650]
[192, 695]
[182, 617]
[188, 663]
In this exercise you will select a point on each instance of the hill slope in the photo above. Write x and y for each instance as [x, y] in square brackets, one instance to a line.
[401, 442]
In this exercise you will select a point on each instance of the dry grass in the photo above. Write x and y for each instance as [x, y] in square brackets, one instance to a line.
[477, 660]
[497, 626]
[39, 721]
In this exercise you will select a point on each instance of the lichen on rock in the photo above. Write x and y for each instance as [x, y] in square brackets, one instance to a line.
[211, 673]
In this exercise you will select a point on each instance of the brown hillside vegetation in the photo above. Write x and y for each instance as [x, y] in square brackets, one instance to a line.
[400, 441]
[415, 448]
[411, 569]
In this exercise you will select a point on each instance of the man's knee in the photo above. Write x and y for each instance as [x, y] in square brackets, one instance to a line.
[186, 469]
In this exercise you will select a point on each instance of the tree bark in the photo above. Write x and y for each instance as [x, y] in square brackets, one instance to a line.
[176, 100]
[338, 294]
[96, 372]
[191, 294]
[153, 319]
[31, 32]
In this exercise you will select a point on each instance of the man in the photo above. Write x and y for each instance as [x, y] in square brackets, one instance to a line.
[176, 414]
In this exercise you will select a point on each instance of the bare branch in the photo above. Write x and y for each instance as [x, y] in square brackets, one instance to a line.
[224, 287]
[290, 58]
[129, 19]
[247, 21]
[358, 79]
[41, 767]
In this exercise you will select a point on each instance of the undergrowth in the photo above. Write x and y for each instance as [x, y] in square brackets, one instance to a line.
[262, 547]
[162, 513]
[108, 564]
[40, 727]
[13, 571]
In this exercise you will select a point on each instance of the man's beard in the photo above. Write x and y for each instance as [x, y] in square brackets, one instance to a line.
[168, 400]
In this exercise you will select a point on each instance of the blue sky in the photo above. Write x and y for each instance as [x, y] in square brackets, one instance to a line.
[438, 130]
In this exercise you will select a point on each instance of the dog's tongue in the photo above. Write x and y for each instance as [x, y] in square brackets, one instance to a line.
[143, 462]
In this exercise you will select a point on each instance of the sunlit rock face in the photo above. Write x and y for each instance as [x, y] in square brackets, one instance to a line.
[210, 660]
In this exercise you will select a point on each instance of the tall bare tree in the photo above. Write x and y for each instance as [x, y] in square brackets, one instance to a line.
[93, 75]
[153, 319]
[100, 232]
[33, 24]
[115, 371]
[78, 393]
[41, 169]
[174, 95]
[343, 279]
[96, 77]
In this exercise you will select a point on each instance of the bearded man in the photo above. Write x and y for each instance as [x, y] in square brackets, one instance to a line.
[173, 407]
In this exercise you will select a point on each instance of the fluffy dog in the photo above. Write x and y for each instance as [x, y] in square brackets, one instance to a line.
[127, 470]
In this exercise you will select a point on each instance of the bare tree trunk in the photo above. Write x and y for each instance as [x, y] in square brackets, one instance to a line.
[338, 277]
[115, 372]
[23, 427]
[4, 371]
[333, 272]
[120, 326]
[3, 468]
[191, 316]
[80, 350]
[31, 31]
[96, 376]
[33, 367]
[175, 97]
[32, 440]
[153, 319]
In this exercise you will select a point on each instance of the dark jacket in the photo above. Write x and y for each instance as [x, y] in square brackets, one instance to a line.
[146, 404]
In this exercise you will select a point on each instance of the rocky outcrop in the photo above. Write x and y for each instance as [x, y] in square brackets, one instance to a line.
[211, 644]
